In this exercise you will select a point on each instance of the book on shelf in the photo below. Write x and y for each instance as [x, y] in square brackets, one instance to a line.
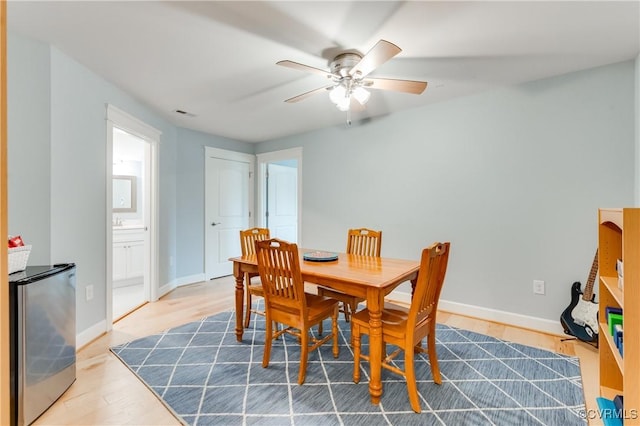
[617, 336]
[612, 320]
[612, 310]
[609, 414]
[618, 401]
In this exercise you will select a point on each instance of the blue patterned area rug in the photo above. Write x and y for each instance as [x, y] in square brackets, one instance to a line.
[206, 377]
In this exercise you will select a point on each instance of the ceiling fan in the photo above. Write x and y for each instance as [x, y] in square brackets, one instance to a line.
[348, 76]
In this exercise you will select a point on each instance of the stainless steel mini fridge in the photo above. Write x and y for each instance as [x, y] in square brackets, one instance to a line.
[43, 338]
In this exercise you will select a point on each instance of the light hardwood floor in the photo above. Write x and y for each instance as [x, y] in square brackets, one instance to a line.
[106, 392]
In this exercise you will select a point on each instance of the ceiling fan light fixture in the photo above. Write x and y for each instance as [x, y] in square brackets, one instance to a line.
[361, 94]
[338, 94]
[344, 104]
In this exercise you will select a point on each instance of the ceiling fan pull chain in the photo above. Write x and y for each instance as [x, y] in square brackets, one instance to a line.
[349, 117]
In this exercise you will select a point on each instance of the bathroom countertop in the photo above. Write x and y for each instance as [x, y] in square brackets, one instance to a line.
[127, 227]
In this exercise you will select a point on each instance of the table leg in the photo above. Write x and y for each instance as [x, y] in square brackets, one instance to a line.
[238, 273]
[374, 305]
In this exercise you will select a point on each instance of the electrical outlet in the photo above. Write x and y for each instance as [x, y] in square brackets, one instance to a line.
[538, 287]
[89, 292]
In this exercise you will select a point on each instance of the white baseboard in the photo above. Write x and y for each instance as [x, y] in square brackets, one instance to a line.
[90, 334]
[510, 318]
[190, 279]
[179, 282]
[166, 288]
[127, 282]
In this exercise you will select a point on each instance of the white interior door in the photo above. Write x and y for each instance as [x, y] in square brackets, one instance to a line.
[226, 213]
[282, 201]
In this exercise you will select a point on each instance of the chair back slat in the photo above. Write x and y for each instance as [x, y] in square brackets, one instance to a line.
[433, 268]
[364, 242]
[248, 237]
[279, 269]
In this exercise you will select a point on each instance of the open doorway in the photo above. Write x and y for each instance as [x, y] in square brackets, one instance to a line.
[132, 214]
[130, 165]
[280, 193]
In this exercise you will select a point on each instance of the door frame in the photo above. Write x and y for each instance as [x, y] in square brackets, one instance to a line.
[273, 157]
[122, 120]
[5, 350]
[232, 156]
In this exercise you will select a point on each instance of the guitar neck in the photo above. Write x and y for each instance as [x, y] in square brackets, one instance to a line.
[588, 288]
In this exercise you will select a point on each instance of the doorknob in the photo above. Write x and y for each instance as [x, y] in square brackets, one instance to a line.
[214, 224]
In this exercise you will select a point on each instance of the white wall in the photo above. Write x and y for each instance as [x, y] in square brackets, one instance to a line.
[513, 178]
[29, 150]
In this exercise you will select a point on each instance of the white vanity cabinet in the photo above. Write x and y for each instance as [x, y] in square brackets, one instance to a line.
[128, 254]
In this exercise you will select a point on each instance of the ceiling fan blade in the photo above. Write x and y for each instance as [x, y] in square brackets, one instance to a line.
[307, 94]
[406, 86]
[303, 67]
[378, 55]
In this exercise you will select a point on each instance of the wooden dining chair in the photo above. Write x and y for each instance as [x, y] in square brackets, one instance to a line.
[248, 237]
[406, 328]
[362, 242]
[287, 303]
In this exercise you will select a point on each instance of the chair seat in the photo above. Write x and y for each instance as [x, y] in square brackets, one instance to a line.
[319, 305]
[256, 290]
[395, 309]
[394, 320]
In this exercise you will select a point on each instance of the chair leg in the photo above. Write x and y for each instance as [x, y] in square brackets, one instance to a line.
[247, 314]
[355, 341]
[267, 342]
[347, 318]
[347, 311]
[304, 354]
[334, 332]
[410, 376]
[353, 307]
[320, 329]
[433, 357]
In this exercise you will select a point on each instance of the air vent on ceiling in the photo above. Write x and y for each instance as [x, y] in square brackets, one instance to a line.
[185, 113]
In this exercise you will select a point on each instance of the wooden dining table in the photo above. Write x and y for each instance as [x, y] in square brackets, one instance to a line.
[371, 278]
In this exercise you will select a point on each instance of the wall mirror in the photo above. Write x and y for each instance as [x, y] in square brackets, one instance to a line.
[124, 193]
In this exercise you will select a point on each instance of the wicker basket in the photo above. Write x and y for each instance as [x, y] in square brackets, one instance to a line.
[18, 257]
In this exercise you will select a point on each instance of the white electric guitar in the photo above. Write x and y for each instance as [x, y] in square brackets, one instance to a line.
[580, 318]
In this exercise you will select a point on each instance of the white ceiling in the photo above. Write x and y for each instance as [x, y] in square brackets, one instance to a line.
[217, 59]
